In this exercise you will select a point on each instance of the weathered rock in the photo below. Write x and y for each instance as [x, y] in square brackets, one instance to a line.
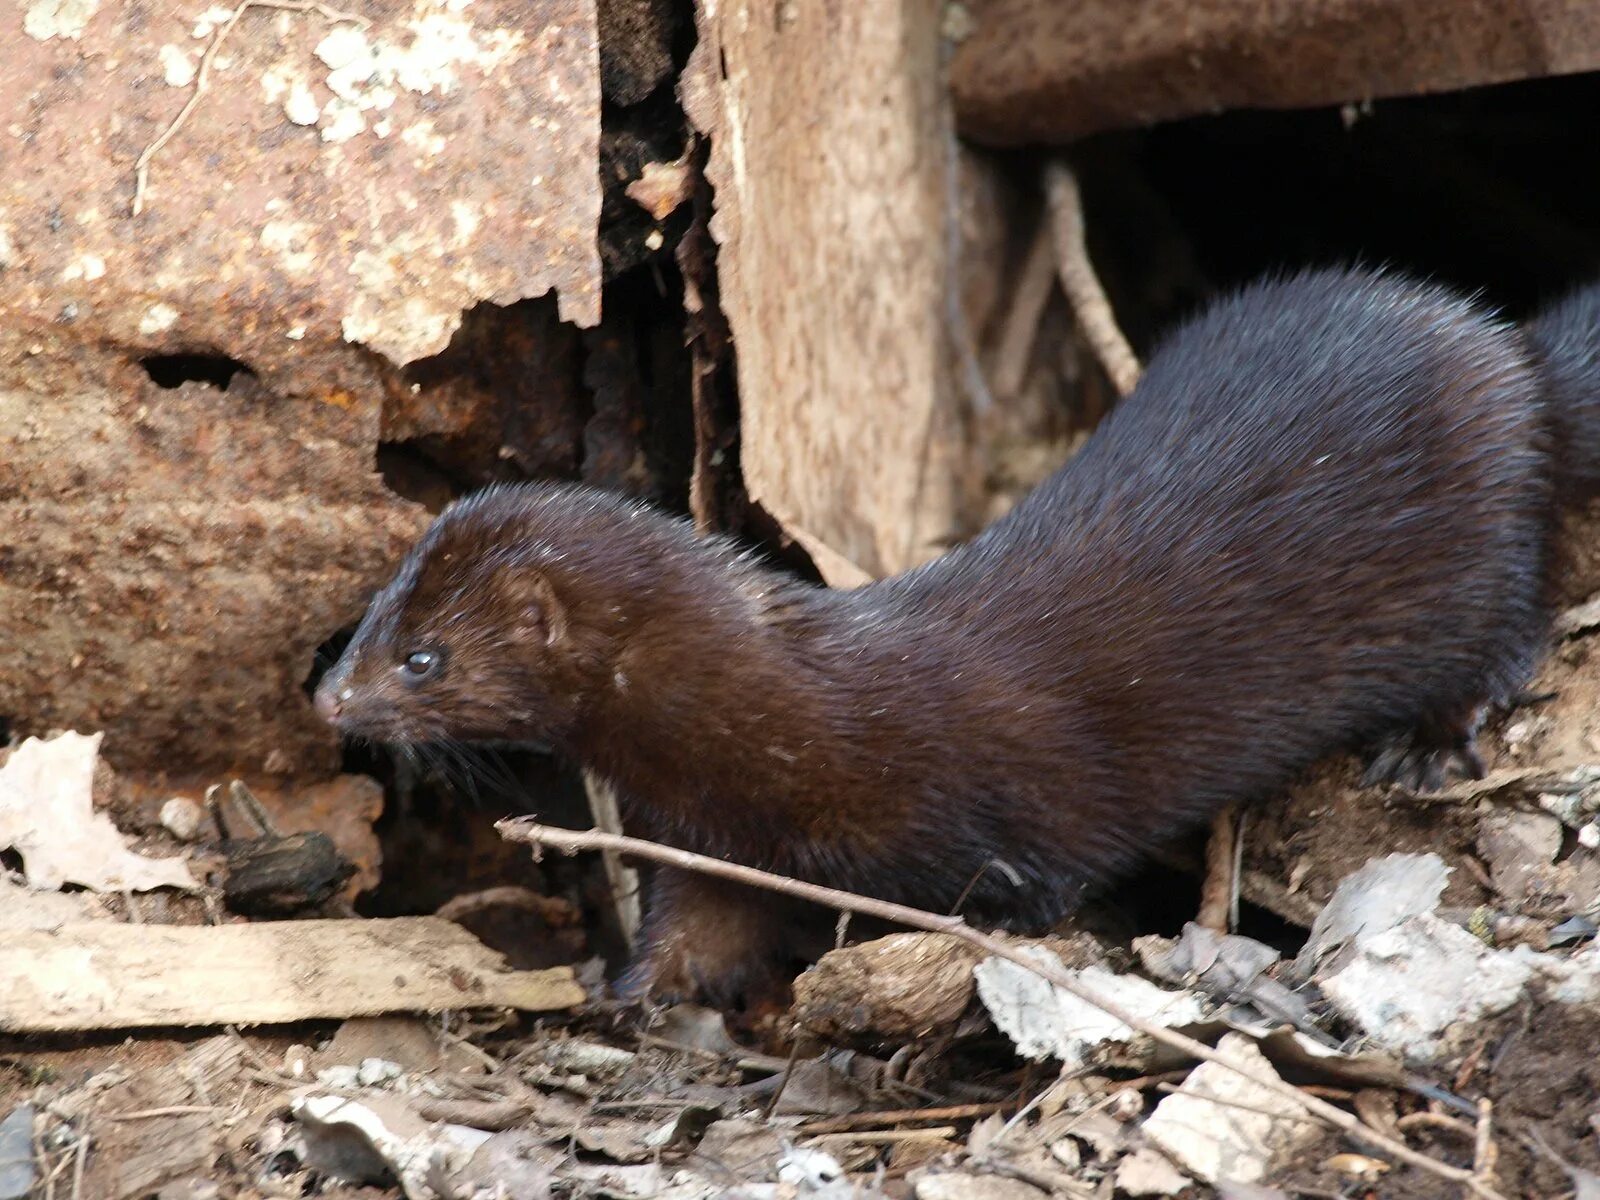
[170, 559]
[503, 400]
[334, 182]
[1043, 71]
[190, 405]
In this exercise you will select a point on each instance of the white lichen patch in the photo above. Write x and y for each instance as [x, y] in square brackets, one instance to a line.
[158, 318]
[422, 136]
[210, 20]
[416, 323]
[177, 67]
[367, 75]
[88, 267]
[466, 220]
[291, 242]
[341, 122]
[46, 19]
[301, 106]
[374, 320]
[8, 249]
[276, 82]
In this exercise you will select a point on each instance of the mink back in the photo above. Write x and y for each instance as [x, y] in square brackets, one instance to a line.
[1567, 349]
[1323, 516]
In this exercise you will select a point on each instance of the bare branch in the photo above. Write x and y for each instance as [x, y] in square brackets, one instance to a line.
[1082, 285]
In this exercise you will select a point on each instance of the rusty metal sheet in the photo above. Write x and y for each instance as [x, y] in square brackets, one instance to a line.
[345, 185]
[170, 558]
[345, 176]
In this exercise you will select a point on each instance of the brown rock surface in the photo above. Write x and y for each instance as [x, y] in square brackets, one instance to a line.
[1054, 70]
[337, 181]
[176, 541]
[170, 559]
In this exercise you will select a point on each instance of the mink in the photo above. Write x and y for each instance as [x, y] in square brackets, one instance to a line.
[1322, 522]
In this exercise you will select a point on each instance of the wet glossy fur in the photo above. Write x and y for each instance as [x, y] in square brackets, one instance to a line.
[1322, 520]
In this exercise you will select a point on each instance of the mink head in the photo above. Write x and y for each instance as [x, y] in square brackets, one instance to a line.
[479, 637]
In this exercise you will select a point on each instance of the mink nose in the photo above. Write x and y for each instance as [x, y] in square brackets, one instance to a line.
[329, 702]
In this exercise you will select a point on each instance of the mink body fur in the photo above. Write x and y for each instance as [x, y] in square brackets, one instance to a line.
[1322, 521]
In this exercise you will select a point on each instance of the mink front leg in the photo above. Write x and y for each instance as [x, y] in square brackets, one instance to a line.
[707, 938]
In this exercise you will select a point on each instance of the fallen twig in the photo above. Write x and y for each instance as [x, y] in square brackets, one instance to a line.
[622, 881]
[170, 1110]
[1092, 310]
[1082, 285]
[1020, 330]
[897, 1116]
[1485, 1153]
[1217, 889]
[783, 1082]
[888, 1137]
[80, 1159]
[568, 841]
[1436, 1120]
[202, 79]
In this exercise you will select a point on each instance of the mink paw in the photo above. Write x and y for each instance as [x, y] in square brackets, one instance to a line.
[1420, 763]
[668, 975]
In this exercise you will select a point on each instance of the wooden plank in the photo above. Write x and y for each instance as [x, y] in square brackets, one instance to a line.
[107, 976]
[832, 165]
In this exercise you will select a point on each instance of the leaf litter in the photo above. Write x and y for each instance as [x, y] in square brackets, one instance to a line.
[1396, 1002]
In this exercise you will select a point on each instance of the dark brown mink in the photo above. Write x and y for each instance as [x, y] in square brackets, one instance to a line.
[1322, 521]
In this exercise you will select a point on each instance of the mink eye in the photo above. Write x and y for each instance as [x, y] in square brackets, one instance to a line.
[420, 664]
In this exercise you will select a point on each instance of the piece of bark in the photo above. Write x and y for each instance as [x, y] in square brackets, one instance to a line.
[278, 876]
[904, 986]
[104, 976]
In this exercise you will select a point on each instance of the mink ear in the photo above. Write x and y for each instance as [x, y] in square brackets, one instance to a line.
[545, 610]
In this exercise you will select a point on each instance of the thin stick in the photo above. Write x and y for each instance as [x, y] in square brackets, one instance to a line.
[1485, 1154]
[1435, 1120]
[783, 1082]
[1014, 350]
[888, 1137]
[570, 841]
[622, 881]
[895, 1116]
[702, 482]
[202, 80]
[1242, 819]
[79, 1160]
[1216, 892]
[1082, 285]
[171, 1110]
